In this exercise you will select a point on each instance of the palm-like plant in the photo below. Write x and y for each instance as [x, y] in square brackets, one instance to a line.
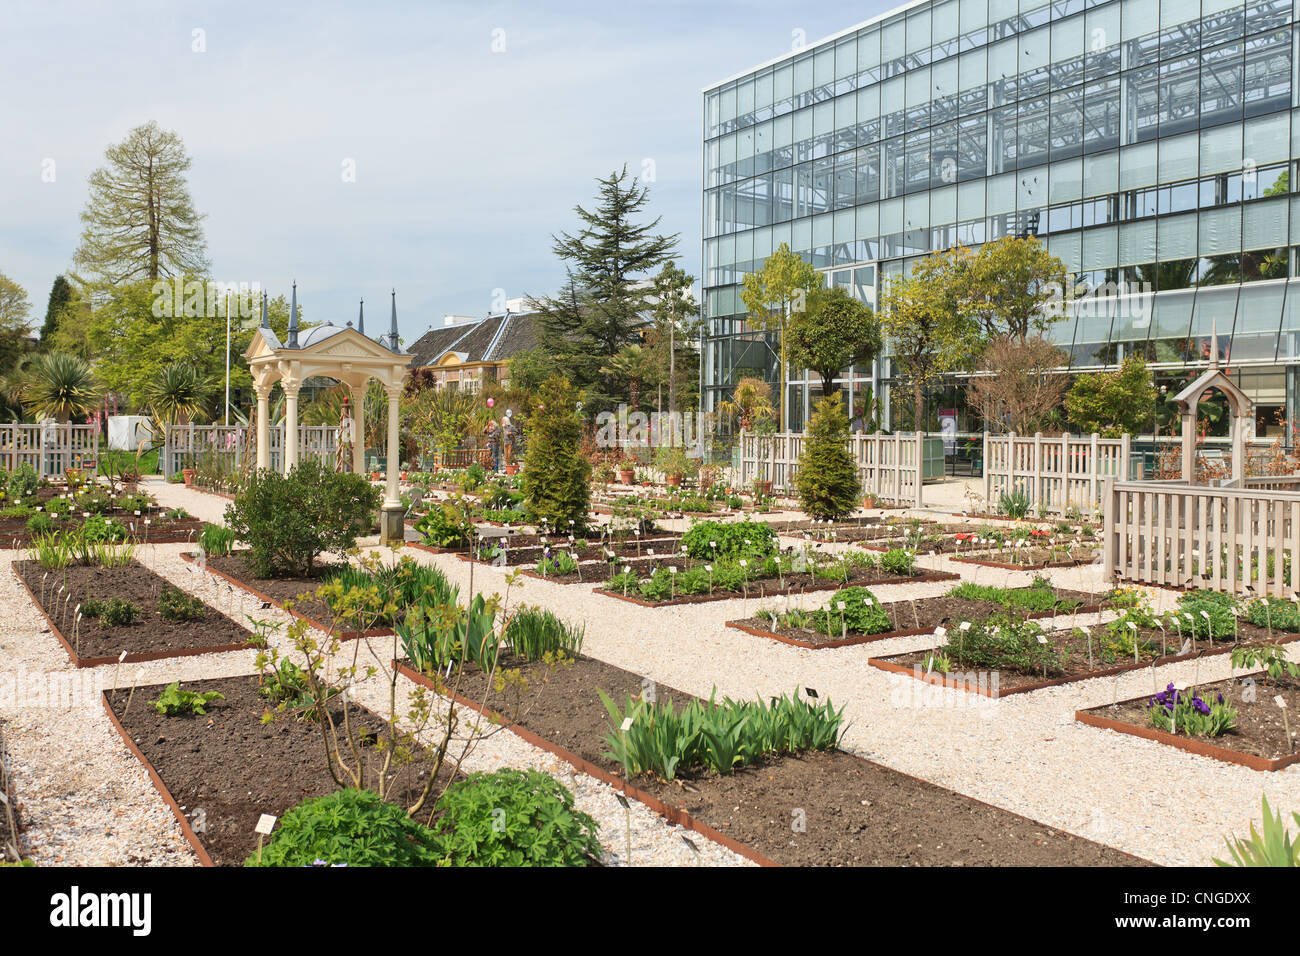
[751, 402]
[60, 385]
[630, 363]
[179, 393]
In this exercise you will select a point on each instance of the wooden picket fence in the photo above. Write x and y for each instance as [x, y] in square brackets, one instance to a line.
[889, 466]
[1057, 474]
[49, 448]
[1238, 540]
[186, 445]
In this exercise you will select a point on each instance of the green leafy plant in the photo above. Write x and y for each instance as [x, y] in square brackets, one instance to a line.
[349, 827]
[717, 539]
[1271, 657]
[514, 818]
[534, 632]
[1003, 644]
[112, 612]
[1014, 504]
[1184, 711]
[898, 561]
[1271, 845]
[174, 702]
[445, 525]
[175, 605]
[216, 540]
[290, 520]
[435, 636]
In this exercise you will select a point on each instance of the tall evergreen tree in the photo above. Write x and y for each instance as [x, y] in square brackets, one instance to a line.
[605, 301]
[827, 479]
[60, 297]
[672, 339]
[556, 475]
[139, 220]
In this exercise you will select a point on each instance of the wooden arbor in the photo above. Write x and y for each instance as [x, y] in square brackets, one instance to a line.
[343, 353]
[1239, 404]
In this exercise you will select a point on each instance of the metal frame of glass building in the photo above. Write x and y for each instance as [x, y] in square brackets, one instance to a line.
[1148, 143]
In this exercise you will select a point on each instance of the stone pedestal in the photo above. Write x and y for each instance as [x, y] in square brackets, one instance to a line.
[392, 526]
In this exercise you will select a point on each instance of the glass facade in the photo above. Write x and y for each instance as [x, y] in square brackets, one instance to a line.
[1148, 143]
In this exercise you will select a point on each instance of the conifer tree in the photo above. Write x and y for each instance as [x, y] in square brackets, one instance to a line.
[605, 303]
[556, 474]
[827, 479]
[60, 299]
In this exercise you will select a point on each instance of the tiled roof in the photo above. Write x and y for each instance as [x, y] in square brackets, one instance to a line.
[495, 338]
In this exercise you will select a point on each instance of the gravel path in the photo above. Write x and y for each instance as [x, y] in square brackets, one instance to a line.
[87, 801]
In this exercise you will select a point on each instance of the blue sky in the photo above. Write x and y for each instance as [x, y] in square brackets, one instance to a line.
[467, 160]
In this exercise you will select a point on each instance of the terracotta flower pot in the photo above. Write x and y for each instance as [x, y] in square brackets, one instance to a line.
[764, 487]
[673, 481]
[868, 501]
[512, 469]
[626, 476]
[188, 475]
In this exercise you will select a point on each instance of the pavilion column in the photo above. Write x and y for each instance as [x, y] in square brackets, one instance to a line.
[359, 428]
[1189, 444]
[263, 427]
[291, 387]
[392, 529]
[1240, 424]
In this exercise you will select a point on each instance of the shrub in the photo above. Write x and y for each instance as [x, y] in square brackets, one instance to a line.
[514, 818]
[557, 475]
[445, 525]
[1014, 504]
[176, 605]
[40, 523]
[1003, 644]
[113, 612]
[349, 828]
[1272, 612]
[1211, 614]
[23, 481]
[898, 561]
[290, 520]
[827, 479]
[174, 702]
[734, 540]
[862, 612]
[100, 530]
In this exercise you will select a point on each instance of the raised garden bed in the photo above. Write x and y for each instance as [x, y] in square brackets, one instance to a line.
[1028, 559]
[856, 812]
[526, 555]
[90, 643]
[911, 618]
[234, 568]
[1075, 648]
[1259, 740]
[794, 583]
[228, 768]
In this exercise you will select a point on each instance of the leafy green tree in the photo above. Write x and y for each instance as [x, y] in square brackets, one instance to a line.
[928, 331]
[780, 288]
[14, 311]
[1113, 403]
[827, 479]
[140, 222]
[1008, 286]
[606, 300]
[832, 333]
[527, 370]
[556, 474]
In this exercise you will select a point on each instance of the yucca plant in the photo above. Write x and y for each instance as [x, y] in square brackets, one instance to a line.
[60, 385]
[1273, 847]
[178, 393]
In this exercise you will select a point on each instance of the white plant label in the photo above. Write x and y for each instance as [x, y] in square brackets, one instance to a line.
[265, 824]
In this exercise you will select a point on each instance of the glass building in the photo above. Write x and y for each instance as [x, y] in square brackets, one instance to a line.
[1148, 143]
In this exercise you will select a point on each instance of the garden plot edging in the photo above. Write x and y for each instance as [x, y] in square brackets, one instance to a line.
[672, 814]
[1202, 748]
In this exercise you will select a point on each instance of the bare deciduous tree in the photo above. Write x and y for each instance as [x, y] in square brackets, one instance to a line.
[1017, 386]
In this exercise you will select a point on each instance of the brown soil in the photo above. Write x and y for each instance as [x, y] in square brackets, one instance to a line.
[1073, 648]
[925, 614]
[1028, 559]
[234, 768]
[151, 634]
[279, 590]
[947, 544]
[528, 556]
[856, 812]
[1259, 731]
[776, 585]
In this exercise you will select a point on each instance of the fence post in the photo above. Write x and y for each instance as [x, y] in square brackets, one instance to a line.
[1125, 456]
[1065, 472]
[987, 473]
[1095, 469]
[1108, 529]
[920, 465]
[1039, 497]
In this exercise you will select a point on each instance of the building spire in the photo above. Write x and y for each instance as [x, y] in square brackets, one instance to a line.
[1214, 344]
[361, 318]
[392, 331]
[293, 319]
[266, 323]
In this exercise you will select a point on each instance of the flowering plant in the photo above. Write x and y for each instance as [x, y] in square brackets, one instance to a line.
[1186, 710]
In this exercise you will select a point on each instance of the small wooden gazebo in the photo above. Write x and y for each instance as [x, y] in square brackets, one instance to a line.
[343, 353]
[1239, 404]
